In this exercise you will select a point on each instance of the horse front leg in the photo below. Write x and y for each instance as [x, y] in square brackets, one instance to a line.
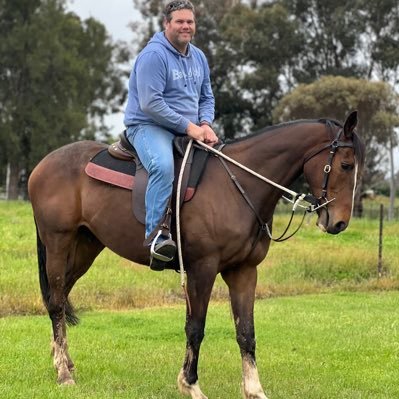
[199, 287]
[242, 284]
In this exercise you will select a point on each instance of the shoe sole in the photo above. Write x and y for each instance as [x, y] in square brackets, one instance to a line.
[158, 261]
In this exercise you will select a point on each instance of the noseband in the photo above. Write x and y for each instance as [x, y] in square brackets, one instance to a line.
[323, 201]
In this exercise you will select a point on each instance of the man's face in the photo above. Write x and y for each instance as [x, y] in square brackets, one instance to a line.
[181, 28]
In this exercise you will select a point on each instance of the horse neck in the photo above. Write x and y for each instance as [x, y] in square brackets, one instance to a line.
[278, 154]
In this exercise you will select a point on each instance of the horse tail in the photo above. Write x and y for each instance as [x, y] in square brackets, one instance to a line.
[43, 280]
[70, 315]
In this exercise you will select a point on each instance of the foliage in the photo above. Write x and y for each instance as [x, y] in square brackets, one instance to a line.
[260, 45]
[330, 34]
[339, 346]
[59, 76]
[380, 32]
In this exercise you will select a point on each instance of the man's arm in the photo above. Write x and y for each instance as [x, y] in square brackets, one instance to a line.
[206, 113]
[207, 106]
[151, 81]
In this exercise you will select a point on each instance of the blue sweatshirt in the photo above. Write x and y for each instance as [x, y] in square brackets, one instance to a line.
[168, 88]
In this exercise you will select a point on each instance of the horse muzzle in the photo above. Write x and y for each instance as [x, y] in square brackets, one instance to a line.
[328, 224]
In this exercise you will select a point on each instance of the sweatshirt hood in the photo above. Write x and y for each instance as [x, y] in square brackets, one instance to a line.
[160, 38]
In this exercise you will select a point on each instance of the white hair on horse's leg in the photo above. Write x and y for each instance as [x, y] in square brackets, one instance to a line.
[192, 390]
[251, 385]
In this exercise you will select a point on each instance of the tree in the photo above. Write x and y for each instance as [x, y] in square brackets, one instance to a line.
[380, 27]
[333, 97]
[261, 45]
[331, 38]
[59, 77]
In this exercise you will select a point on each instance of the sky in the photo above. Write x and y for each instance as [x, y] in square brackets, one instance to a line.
[115, 15]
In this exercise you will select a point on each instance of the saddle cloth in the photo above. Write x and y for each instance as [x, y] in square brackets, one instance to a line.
[131, 175]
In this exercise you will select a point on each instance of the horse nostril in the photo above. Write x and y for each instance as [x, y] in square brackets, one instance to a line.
[340, 226]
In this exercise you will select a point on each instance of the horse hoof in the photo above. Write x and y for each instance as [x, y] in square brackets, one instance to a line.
[254, 396]
[66, 381]
[192, 390]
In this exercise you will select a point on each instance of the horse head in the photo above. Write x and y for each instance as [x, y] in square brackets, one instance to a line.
[332, 173]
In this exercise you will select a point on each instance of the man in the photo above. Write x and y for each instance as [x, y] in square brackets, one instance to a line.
[169, 94]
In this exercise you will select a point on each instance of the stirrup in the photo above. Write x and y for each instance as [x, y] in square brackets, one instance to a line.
[169, 246]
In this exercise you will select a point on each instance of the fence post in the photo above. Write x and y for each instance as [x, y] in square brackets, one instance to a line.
[379, 267]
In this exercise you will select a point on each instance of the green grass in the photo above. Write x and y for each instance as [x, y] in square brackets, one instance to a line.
[310, 262]
[341, 345]
[335, 345]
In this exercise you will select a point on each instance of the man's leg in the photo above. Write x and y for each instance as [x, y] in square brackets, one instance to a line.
[155, 149]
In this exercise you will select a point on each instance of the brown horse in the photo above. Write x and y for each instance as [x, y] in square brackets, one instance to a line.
[78, 216]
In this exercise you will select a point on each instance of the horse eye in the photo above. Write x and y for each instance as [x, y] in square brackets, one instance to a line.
[346, 166]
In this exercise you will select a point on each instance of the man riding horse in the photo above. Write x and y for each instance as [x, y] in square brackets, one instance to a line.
[169, 94]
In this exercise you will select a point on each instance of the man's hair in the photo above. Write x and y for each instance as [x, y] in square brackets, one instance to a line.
[176, 5]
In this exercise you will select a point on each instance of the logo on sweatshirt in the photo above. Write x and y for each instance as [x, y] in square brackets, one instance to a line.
[192, 73]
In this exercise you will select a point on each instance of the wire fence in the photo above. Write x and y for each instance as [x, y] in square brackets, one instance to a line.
[373, 212]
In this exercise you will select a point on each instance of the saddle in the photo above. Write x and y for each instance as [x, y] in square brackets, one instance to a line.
[119, 165]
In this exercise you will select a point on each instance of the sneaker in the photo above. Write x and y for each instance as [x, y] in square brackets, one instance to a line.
[162, 251]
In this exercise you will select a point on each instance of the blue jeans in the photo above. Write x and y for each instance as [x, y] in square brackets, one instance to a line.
[155, 149]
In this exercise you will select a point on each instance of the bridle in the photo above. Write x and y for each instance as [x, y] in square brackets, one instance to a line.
[323, 201]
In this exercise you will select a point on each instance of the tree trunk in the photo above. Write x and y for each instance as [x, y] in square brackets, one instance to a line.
[358, 201]
[12, 181]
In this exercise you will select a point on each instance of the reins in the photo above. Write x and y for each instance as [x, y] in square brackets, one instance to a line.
[263, 226]
[295, 199]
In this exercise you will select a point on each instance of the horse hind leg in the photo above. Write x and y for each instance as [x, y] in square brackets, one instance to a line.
[64, 268]
[52, 281]
[84, 250]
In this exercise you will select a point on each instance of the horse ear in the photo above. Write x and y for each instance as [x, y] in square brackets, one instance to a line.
[350, 124]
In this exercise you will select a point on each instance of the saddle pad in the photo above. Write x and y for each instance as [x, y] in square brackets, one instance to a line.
[114, 171]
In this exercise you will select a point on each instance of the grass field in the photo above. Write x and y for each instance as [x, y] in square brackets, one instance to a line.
[131, 341]
[310, 262]
[343, 346]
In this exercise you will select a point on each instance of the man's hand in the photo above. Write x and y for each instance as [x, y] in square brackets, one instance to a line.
[210, 136]
[202, 133]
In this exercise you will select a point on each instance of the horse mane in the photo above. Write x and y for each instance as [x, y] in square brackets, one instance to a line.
[358, 144]
[268, 129]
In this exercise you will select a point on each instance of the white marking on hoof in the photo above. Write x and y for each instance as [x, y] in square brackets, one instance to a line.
[67, 382]
[251, 387]
[192, 390]
[62, 362]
